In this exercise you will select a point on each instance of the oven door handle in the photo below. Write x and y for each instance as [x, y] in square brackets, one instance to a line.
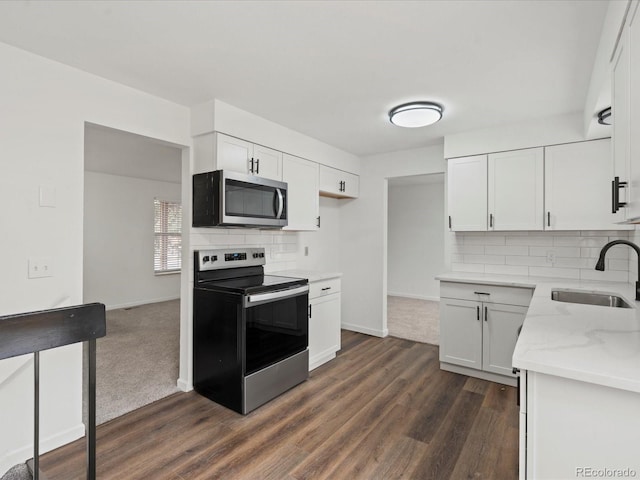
[277, 295]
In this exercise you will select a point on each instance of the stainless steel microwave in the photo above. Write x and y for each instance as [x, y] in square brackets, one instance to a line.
[229, 199]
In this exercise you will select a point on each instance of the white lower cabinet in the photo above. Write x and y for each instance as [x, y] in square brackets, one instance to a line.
[576, 429]
[324, 321]
[479, 327]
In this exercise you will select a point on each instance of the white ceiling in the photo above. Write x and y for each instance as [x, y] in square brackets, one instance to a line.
[332, 69]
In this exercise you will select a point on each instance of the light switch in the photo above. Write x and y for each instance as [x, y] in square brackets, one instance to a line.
[40, 267]
[47, 196]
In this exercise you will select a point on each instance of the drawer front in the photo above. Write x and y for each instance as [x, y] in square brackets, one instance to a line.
[486, 293]
[324, 287]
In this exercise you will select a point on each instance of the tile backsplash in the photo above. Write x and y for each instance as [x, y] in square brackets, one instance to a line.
[281, 247]
[542, 254]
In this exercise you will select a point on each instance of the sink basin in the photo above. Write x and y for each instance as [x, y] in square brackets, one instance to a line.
[589, 298]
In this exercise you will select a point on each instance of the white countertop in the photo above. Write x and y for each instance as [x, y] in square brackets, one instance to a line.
[312, 275]
[600, 345]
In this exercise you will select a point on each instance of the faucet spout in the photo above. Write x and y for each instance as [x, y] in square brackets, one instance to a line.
[600, 263]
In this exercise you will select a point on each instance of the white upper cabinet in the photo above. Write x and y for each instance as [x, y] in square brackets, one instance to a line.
[467, 193]
[267, 162]
[245, 157]
[232, 153]
[302, 177]
[516, 190]
[337, 183]
[633, 140]
[577, 187]
[620, 115]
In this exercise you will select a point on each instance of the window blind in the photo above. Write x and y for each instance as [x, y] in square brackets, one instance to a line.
[167, 256]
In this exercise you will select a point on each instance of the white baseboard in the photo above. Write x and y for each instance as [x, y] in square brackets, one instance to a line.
[366, 330]
[417, 297]
[22, 454]
[184, 386]
[140, 302]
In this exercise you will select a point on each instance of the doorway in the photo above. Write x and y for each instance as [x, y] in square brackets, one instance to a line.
[415, 255]
[131, 263]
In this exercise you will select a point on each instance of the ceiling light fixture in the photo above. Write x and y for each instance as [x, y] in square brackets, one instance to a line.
[415, 114]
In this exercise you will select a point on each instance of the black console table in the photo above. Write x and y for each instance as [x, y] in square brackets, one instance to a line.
[36, 331]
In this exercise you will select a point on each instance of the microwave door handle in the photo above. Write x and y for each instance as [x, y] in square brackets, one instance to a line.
[280, 203]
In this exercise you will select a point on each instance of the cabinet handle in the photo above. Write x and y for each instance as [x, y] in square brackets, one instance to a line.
[325, 288]
[485, 313]
[548, 219]
[616, 185]
[478, 313]
[516, 371]
[344, 186]
[251, 165]
[309, 310]
[491, 220]
[482, 293]
[318, 223]
[257, 166]
[449, 222]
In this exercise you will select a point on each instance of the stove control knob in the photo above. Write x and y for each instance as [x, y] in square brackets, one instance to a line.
[205, 259]
[214, 258]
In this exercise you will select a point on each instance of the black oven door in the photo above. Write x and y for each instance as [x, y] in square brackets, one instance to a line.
[276, 326]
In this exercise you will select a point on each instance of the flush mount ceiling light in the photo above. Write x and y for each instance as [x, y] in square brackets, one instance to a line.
[415, 114]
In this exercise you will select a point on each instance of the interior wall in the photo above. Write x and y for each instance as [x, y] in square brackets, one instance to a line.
[45, 106]
[415, 240]
[363, 236]
[323, 245]
[118, 241]
[545, 131]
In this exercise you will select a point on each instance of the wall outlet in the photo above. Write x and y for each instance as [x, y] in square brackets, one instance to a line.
[40, 267]
[551, 257]
[306, 251]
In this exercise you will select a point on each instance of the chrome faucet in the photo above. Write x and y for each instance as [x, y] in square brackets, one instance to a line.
[603, 252]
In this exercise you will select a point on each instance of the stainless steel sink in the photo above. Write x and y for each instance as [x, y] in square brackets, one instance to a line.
[589, 298]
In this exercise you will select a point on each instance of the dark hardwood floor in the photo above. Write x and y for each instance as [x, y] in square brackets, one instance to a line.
[381, 410]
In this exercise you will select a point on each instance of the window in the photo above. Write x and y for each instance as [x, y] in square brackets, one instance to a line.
[167, 256]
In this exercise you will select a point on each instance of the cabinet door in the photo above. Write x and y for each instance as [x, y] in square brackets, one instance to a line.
[302, 190]
[578, 187]
[633, 209]
[351, 185]
[467, 193]
[620, 115]
[267, 162]
[499, 336]
[337, 183]
[461, 332]
[233, 154]
[516, 190]
[324, 329]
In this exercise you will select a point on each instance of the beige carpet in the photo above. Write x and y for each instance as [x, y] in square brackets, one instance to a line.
[138, 360]
[413, 319]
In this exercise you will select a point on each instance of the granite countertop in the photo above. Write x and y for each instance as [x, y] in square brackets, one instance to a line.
[312, 275]
[589, 343]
